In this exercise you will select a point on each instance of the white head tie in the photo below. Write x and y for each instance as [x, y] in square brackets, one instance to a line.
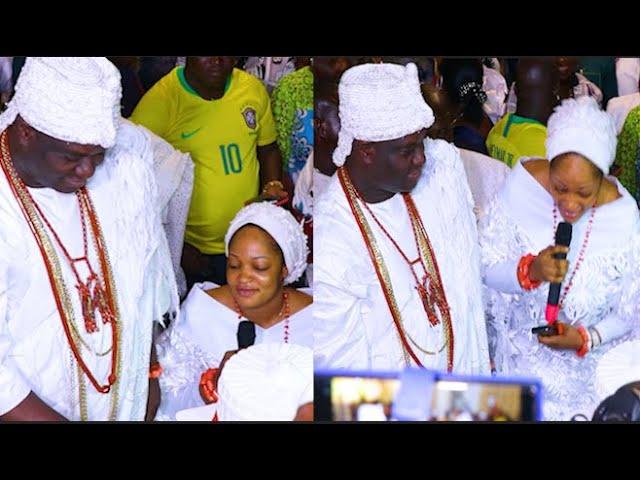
[284, 229]
[578, 125]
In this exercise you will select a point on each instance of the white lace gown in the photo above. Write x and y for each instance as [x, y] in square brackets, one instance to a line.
[205, 330]
[354, 328]
[604, 292]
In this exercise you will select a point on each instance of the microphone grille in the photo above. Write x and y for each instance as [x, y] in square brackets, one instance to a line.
[563, 234]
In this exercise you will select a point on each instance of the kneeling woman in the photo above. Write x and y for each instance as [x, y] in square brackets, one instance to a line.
[266, 250]
[598, 298]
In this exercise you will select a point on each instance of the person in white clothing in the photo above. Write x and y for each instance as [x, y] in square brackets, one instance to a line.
[495, 86]
[266, 250]
[627, 75]
[397, 277]
[600, 286]
[619, 107]
[85, 268]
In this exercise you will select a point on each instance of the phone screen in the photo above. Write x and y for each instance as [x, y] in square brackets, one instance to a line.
[365, 397]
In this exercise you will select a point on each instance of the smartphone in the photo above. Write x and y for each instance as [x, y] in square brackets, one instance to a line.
[545, 330]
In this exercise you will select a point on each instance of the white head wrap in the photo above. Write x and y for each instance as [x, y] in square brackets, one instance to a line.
[578, 125]
[379, 102]
[75, 99]
[284, 229]
[266, 382]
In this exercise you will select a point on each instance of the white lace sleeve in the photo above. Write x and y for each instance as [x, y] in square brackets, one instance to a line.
[174, 180]
[176, 221]
[502, 247]
[627, 313]
[183, 362]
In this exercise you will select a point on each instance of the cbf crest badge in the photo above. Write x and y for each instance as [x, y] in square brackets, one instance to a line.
[249, 114]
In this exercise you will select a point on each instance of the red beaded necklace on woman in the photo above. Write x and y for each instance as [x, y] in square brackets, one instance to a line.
[581, 253]
[285, 311]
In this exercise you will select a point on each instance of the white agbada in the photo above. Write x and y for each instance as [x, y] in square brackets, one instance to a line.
[604, 292]
[34, 352]
[485, 175]
[353, 325]
[320, 183]
[174, 179]
[207, 329]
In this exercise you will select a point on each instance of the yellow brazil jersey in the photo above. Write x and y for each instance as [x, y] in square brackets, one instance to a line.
[222, 137]
[514, 137]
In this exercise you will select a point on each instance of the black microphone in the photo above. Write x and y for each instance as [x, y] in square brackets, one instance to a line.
[563, 237]
[246, 334]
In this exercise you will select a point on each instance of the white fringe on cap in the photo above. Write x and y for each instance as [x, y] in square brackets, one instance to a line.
[284, 229]
[75, 99]
[379, 102]
[578, 125]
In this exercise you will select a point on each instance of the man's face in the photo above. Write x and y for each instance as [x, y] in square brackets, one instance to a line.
[566, 67]
[442, 126]
[398, 163]
[327, 122]
[211, 72]
[63, 166]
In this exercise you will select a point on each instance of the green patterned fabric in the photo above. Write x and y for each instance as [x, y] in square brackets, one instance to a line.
[293, 92]
[627, 151]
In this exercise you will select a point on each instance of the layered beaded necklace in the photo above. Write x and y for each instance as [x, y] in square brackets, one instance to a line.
[97, 293]
[430, 287]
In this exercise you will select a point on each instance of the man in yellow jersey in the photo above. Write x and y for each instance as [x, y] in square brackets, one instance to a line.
[523, 133]
[222, 116]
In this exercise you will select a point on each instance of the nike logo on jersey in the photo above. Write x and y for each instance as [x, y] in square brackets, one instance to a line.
[184, 135]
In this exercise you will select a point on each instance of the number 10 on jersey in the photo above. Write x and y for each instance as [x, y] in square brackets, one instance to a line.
[231, 160]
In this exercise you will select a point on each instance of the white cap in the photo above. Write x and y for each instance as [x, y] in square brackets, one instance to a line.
[75, 99]
[379, 102]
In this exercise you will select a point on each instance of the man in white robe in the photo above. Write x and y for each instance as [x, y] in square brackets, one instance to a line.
[63, 140]
[368, 309]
